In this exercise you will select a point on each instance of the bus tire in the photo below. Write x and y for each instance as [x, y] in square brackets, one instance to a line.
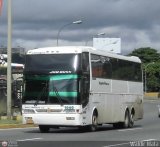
[43, 129]
[126, 122]
[93, 126]
[131, 120]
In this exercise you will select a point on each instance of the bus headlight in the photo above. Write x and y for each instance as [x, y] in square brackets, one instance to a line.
[28, 111]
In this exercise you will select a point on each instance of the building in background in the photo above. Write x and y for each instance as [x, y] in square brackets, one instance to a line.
[108, 44]
[17, 74]
[17, 54]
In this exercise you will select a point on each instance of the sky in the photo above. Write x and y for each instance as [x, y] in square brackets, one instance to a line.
[36, 23]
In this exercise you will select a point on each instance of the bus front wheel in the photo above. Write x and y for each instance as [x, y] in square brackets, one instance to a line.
[93, 126]
[43, 128]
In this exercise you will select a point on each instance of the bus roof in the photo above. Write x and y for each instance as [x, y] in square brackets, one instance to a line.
[80, 49]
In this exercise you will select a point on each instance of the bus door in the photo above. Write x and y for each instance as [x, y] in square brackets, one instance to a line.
[85, 79]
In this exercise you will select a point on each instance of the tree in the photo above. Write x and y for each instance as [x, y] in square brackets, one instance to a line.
[153, 74]
[146, 55]
[149, 55]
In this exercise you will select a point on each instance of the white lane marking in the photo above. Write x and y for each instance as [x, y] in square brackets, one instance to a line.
[133, 129]
[150, 140]
[30, 139]
[120, 144]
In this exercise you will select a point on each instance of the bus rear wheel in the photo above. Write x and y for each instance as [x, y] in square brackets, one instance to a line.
[126, 122]
[43, 129]
[131, 120]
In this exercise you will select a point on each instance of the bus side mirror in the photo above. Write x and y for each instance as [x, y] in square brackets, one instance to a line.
[86, 73]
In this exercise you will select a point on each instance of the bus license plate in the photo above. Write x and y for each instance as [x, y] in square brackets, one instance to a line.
[29, 121]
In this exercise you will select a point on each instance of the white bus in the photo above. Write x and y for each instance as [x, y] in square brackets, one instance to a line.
[82, 87]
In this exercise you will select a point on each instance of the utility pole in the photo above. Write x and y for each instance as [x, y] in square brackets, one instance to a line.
[9, 56]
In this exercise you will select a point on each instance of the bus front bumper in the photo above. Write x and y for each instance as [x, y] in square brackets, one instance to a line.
[53, 119]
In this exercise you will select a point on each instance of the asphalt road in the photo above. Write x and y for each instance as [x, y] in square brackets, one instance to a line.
[145, 132]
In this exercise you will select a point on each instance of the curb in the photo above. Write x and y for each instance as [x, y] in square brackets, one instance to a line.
[151, 98]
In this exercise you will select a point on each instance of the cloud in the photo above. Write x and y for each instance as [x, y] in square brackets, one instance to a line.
[37, 22]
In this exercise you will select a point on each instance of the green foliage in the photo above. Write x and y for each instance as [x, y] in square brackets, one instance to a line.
[146, 55]
[151, 66]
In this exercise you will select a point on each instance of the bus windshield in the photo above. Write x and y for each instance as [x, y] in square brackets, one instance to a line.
[52, 64]
[51, 89]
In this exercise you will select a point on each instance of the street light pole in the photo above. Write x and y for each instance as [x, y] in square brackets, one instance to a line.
[145, 76]
[100, 34]
[74, 22]
[9, 56]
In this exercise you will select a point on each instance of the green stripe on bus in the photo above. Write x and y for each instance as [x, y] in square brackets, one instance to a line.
[54, 77]
[63, 77]
[61, 94]
[64, 94]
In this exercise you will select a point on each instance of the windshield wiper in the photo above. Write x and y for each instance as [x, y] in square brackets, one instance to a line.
[41, 93]
[57, 94]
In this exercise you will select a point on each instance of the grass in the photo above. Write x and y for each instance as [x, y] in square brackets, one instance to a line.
[14, 120]
[7, 121]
